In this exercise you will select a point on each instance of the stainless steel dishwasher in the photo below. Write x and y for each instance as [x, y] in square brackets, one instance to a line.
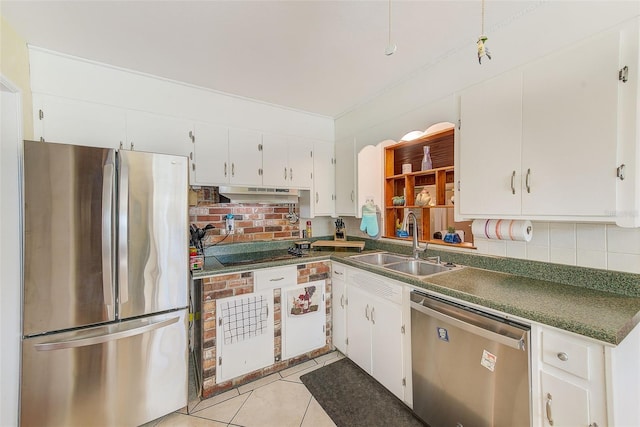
[470, 368]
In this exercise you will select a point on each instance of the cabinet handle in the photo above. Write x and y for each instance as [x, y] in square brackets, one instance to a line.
[276, 279]
[225, 169]
[131, 145]
[339, 273]
[513, 178]
[527, 181]
[192, 137]
[353, 195]
[373, 320]
[342, 300]
[290, 174]
[563, 356]
[285, 174]
[233, 169]
[620, 172]
[549, 415]
[317, 197]
[366, 312]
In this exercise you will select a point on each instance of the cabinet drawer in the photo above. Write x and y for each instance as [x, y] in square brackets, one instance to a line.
[339, 271]
[279, 277]
[566, 353]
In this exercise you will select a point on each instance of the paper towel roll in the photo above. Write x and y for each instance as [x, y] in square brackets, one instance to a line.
[503, 229]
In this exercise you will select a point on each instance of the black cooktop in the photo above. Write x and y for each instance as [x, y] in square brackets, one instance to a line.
[261, 256]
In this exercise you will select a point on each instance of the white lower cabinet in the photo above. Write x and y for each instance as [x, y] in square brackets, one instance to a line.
[339, 307]
[375, 328]
[244, 336]
[572, 380]
[304, 318]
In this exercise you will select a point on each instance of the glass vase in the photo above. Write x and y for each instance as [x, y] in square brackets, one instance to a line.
[426, 160]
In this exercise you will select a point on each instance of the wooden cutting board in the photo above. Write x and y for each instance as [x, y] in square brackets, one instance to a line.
[343, 244]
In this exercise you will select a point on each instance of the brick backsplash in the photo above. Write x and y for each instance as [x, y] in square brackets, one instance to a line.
[233, 284]
[253, 222]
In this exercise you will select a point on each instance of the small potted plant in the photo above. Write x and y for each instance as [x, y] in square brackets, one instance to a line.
[452, 236]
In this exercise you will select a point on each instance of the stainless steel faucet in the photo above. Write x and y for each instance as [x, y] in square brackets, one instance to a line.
[416, 246]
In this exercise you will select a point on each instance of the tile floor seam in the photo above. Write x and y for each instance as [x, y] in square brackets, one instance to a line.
[241, 406]
[306, 410]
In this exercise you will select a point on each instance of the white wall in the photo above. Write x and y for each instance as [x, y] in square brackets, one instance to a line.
[430, 96]
[603, 246]
[75, 78]
[10, 249]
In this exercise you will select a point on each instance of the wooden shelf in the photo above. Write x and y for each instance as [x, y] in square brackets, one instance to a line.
[438, 179]
[435, 242]
[421, 207]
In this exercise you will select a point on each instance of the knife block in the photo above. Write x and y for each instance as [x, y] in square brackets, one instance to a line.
[340, 234]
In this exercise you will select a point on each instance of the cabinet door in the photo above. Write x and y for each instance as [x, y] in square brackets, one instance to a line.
[370, 177]
[628, 193]
[239, 352]
[386, 346]
[158, 134]
[569, 131]
[210, 164]
[245, 157]
[359, 327]
[339, 308]
[489, 157]
[564, 404]
[303, 332]
[77, 122]
[300, 163]
[274, 160]
[323, 179]
[345, 178]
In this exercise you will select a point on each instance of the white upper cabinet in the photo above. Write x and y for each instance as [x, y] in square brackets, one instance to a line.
[158, 134]
[628, 182]
[245, 157]
[323, 179]
[346, 197]
[210, 159]
[287, 162]
[541, 142]
[569, 131]
[275, 161]
[489, 149]
[300, 163]
[77, 122]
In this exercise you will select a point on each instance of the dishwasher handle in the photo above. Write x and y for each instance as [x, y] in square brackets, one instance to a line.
[511, 341]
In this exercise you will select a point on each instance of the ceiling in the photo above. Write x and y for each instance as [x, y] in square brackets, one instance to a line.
[322, 57]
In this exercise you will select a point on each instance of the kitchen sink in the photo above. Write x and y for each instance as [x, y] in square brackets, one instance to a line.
[403, 264]
[380, 258]
[418, 268]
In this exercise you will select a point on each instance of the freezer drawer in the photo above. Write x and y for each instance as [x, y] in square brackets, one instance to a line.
[124, 374]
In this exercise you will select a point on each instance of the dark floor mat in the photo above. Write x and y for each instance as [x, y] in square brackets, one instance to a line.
[353, 398]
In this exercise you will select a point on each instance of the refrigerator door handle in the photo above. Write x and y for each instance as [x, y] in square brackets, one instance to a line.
[123, 233]
[107, 231]
[100, 339]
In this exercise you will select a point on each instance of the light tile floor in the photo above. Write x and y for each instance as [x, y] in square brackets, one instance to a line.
[278, 400]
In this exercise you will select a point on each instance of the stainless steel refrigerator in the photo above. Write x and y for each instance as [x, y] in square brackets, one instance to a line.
[105, 286]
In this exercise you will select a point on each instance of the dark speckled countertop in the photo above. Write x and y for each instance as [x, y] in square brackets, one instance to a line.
[606, 315]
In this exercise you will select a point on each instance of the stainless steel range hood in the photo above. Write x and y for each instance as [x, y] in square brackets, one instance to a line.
[259, 195]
